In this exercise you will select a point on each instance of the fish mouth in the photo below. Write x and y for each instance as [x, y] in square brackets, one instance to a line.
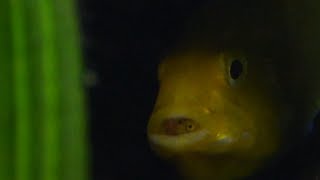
[176, 134]
[184, 134]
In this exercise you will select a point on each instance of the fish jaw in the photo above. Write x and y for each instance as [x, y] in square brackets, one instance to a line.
[203, 152]
[177, 143]
[174, 137]
[174, 134]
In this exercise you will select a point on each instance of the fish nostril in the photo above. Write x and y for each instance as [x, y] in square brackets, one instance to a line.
[179, 125]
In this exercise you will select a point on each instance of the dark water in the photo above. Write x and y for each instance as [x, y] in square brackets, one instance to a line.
[123, 42]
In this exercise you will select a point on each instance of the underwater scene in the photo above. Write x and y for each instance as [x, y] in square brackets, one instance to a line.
[204, 89]
[162, 89]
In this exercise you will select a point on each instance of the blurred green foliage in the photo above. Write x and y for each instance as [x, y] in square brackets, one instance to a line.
[42, 105]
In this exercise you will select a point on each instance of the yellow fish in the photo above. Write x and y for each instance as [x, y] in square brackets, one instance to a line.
[237, 91]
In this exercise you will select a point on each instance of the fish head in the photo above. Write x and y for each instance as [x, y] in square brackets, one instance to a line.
[214, 104]
[228, 91]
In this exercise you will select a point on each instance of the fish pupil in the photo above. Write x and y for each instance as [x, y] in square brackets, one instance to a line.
[236, 69]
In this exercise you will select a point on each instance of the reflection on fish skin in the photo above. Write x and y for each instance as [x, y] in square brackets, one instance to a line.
[241, 78]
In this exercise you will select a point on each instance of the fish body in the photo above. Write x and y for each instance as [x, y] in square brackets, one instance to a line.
[236, 92]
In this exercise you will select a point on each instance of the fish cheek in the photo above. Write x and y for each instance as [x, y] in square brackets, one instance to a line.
[253, 115]
[266, 118]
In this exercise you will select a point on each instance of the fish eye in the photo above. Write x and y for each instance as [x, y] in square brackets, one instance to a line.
[236, 69]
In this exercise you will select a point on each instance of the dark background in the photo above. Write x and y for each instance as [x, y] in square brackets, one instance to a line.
[123, 42]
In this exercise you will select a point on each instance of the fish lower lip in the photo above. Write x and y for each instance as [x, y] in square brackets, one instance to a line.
[176, 143]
